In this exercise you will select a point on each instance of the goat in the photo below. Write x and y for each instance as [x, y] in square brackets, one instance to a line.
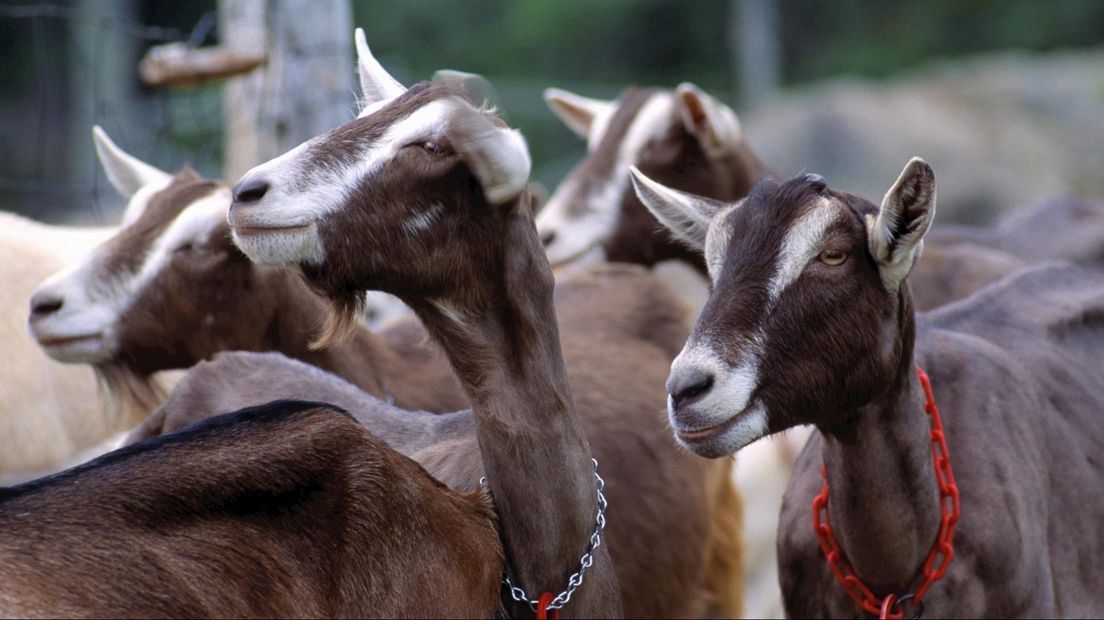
[684, 137]
[386, 202]
[811, 321]
[287, 509]
[184, 237]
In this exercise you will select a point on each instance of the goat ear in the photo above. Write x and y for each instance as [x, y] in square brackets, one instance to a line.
[498, 156]
[687, 216]
[713, 123]
[896, 235]
[376, 84]
[125, 172]
[576, 111]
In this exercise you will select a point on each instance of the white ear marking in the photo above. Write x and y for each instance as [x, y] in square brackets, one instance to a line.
[687, 216]
[896, 236]
[126, 173]
[376, 84]
[715, 124]
[576, 111]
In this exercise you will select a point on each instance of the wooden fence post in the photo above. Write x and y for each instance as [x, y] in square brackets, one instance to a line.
[305, 89]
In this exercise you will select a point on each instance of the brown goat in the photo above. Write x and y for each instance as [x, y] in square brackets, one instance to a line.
[424, 197]
[811, 321]
[684, 138]
[288, 509]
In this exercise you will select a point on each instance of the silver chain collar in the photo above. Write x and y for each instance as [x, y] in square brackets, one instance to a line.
[585, 562]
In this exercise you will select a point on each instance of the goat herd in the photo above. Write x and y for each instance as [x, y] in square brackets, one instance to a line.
[504, 453]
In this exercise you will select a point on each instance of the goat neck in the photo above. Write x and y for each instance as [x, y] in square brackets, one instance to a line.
[503, 342]
[884, 501]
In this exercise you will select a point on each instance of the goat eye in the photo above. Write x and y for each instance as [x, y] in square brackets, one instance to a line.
[432, 147]
[832, 258]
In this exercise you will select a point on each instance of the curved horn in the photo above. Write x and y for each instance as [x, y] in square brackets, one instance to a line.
[376, 84]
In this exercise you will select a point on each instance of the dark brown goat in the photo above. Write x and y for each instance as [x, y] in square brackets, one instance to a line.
[811, 321]
[289, 509]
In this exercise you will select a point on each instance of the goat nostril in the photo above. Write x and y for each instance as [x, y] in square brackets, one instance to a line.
[44, 305]
[547, 237]
[694, 386]
[250, 191]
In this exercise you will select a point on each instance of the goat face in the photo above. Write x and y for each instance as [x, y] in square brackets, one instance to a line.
[804, 323]
[168, 289]
[682, 138]
[393, 200]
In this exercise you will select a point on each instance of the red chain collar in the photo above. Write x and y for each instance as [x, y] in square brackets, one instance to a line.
[939, 559]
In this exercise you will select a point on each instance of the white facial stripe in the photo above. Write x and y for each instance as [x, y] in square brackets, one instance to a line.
[137, 204]
[802, 243]
[326, 191]
[578, 231]
[374, 107]
[193, 225]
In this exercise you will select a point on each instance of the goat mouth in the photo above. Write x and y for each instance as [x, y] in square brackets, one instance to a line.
[252, 231]
[69, 340]
[701, 435]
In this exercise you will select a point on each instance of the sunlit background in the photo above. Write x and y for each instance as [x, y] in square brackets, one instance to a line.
[1005, 98]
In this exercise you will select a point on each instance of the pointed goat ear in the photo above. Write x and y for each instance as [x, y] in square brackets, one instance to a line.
[896, 236]
[576, 111]
[376, 84]
[713, 123]
[498, 156]
[687, 216]
[125, 172]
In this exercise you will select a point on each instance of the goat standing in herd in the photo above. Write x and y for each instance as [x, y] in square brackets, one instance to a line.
[811, 321]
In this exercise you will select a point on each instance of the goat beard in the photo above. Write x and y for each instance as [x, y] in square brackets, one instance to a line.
[342, 317]
[128, 396]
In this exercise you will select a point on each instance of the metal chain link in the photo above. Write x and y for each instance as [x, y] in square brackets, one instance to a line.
[585, 562]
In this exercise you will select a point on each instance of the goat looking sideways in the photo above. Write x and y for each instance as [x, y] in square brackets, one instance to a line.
[811, 321]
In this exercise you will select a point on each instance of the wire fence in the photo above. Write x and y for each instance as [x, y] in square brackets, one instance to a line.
[73, 67]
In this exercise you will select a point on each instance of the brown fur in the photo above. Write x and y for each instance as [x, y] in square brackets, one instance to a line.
[949, 272]
[290, 509]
